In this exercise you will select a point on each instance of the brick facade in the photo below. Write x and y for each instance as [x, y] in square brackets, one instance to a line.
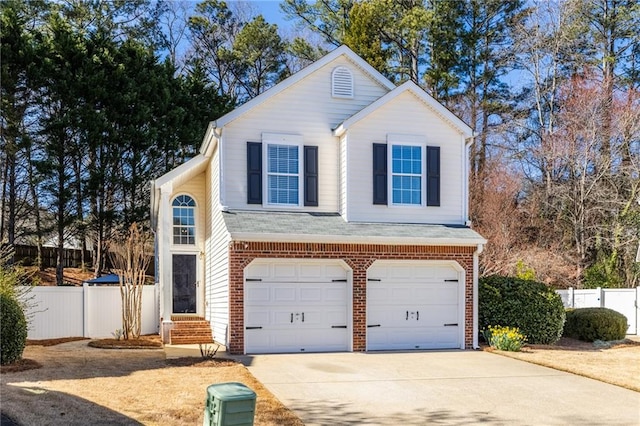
[359, 257]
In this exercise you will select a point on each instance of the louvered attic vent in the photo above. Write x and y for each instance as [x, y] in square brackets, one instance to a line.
[342, 83]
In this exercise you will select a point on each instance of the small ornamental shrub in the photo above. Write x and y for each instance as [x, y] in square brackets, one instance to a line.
[590, 324]
[535, 309]
[505, 338]
[13, 330]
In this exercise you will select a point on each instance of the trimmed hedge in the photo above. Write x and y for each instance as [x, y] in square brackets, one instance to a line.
[591, 324]
[13, 330]
[535, 309]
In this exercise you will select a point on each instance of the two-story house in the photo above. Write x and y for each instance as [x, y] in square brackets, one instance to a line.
[327, 214]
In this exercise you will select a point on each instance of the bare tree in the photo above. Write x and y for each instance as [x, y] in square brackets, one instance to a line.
[130, 257]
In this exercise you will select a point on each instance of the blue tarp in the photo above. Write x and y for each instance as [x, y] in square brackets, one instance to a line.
[105, 279]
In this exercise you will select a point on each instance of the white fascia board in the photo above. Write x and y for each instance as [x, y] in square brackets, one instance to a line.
[210, 139]
[439, 109]
[295, 78]
[183, 172]
[346, 239]
[155, 205]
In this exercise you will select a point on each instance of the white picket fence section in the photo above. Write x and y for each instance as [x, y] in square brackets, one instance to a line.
[87, 311]
[624, 300]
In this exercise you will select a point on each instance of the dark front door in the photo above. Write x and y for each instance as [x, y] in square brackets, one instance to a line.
[184, 284]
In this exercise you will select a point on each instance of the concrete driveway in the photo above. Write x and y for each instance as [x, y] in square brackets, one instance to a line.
[439, 387]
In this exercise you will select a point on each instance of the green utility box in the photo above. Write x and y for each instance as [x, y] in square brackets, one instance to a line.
[229, 404]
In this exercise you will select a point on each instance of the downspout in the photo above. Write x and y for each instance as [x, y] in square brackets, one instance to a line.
[476, 272]
[217, 131]
[465, 196]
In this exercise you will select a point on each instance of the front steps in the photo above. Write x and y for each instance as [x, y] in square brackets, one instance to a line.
[188, 330]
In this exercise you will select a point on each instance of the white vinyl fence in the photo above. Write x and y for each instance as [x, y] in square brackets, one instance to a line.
[623, 300]
[87, 311]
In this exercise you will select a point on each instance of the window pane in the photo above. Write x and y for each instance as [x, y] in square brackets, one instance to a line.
[406, 180]
[282, 179]
[184, 221]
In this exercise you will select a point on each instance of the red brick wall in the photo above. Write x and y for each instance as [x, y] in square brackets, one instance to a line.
[359, 257]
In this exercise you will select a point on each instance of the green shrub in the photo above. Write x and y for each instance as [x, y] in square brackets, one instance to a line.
[505, 338]
[535, 309]
[13, 330]
[590, 324]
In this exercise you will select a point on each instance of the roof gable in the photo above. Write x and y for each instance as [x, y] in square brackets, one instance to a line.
[297, 77]
[409, 86]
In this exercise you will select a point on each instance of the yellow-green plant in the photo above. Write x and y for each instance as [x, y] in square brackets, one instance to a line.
[505, 338]
[525, 272]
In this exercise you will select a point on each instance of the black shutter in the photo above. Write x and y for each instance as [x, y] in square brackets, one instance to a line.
[379, 173]
[254, 173]
[311, 176]
[433, 176]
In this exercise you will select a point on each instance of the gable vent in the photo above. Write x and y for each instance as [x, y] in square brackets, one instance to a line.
[342, 83]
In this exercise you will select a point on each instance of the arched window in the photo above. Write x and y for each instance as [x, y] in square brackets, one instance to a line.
[184, 220]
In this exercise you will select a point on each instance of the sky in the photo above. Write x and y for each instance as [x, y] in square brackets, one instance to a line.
[270, 9]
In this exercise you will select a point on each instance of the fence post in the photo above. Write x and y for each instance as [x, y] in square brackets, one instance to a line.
[600, 296]
[85, 310]
[570, 301]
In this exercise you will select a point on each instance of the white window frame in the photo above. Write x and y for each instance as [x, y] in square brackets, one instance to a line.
[406, 140]
[281, 139]
[186, 246]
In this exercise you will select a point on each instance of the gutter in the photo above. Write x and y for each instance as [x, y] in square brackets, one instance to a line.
[476, 271]
[346, 239]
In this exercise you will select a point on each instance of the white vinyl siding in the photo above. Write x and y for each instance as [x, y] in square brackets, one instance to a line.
[306, 109]
[404, 115]
[343, 176]
[217, 259]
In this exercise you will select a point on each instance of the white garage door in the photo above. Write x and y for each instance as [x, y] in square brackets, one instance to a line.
[296, 306]
[414, 305]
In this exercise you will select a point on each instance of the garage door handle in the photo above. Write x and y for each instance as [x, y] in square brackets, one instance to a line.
[253, 328]
[417, 315]
[373, 325]
[292, 317]
[451, 324]
[303, 317]
[407, 317]
[338, 326]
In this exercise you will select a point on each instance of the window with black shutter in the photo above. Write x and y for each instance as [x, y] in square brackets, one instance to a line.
[379, 173]
[311, 176]
[433, 176]
[254, 173]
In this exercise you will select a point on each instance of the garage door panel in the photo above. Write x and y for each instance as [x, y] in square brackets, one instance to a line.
[311, 294]
[257, 295]
[284, 294]
[294, 315]
[336, 293]
[412, 311]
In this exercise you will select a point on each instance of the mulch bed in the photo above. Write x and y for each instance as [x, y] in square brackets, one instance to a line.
[569, 344]
[143, 342]
[53, 342]
[199, 362]
[20, 365]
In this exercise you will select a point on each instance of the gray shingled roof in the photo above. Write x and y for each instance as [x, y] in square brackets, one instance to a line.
[287, 226]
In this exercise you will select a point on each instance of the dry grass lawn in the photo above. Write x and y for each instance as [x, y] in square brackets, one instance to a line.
[618, 364]
[79, 385]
